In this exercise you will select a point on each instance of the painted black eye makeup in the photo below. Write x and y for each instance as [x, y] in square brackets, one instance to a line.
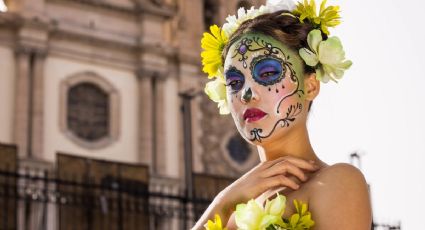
[267, 70]
[234, 79]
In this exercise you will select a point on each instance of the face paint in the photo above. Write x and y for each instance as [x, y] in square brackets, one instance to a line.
[234, 79]
[266, 98]
[267, 70]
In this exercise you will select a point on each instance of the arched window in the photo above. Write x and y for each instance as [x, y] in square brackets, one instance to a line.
[238, 148]
[238, 153]
[89, 110]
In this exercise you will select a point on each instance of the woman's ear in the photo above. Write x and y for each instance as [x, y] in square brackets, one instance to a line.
[311, 86]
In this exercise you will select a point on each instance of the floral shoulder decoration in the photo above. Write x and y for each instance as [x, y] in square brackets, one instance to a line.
[327, 56]
[252, 216]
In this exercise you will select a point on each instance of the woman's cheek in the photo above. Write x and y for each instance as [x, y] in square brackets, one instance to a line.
[283, 98]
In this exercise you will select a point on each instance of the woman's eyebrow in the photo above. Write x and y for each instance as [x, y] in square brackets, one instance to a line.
[232, 69]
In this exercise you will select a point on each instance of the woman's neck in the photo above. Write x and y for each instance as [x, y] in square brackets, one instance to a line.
[296, 143]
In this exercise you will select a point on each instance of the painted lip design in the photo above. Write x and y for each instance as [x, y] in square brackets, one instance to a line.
[251, 115]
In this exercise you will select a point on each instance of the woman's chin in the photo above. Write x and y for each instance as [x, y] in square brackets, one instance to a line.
[255, 138]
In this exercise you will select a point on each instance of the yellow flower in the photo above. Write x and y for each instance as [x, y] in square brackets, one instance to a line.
[252, 216]
[328, 16]
[301, 219]
[276, 206]
[213, 44]
[216, 225]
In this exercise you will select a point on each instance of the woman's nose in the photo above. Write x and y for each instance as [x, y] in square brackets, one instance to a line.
[248, 95]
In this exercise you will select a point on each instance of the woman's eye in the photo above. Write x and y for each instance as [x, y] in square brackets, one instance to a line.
[234, 79]
[268, 74]
[267, 70]
[235, 85]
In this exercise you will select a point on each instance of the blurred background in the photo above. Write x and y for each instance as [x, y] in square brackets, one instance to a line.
[104, 125]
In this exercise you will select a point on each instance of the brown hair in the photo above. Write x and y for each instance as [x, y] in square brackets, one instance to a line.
[282, 26]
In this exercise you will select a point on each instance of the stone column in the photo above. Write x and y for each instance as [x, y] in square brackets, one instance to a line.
[145, 110]
[172, 123]
[22, 96]
[37, 113]
[160, 161]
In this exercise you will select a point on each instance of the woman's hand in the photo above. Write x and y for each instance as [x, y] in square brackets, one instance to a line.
[282, 172]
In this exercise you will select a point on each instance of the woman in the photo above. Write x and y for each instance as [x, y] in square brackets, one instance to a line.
[272, 61]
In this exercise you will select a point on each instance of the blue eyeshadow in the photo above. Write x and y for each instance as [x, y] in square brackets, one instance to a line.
[267, 70]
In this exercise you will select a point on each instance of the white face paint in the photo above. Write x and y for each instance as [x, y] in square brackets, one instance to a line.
[264, 81]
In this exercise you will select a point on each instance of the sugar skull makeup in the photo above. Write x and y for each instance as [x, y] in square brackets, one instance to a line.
[264, 87]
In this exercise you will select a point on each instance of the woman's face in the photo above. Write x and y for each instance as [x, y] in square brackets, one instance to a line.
[264, 81]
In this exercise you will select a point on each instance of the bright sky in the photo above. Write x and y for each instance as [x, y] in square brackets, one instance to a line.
[378, 109]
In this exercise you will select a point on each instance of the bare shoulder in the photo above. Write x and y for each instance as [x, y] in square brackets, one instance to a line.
[339, 198]
[341, 173]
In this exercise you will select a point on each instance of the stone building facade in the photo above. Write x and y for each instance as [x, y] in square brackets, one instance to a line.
[103, 79]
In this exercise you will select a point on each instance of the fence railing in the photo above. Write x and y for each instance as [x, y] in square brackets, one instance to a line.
[37, 200]
[381, 226]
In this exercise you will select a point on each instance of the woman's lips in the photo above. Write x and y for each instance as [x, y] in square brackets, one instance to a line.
[251, 115]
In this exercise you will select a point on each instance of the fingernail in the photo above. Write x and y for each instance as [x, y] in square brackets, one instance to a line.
[312, 161]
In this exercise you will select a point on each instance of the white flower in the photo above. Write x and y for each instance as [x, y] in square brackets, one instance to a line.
[329, 54]
[230, 26]
[253, 216]
[276, 5]
[263, 10]
[233, 22]
[216, 91]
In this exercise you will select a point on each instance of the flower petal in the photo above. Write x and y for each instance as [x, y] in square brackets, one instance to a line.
[223, 107]
[314, 38]
[331, 51]
[309, 57]
[249, 216]
[267, 220]
[213, 44]
[216, 90]
[276, 206]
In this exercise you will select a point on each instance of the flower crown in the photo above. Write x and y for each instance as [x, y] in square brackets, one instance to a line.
[327, 57]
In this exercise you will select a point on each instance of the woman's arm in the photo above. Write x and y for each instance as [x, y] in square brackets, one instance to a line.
[341, 199]
[218, 206]
[264, 176]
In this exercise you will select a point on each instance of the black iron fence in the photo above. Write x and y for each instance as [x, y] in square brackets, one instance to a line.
[87, 194]
[39, 200]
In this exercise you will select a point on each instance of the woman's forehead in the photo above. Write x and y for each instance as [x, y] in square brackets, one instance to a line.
[251, 45]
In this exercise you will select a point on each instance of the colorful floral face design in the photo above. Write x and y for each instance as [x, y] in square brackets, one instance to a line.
[264, 81]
